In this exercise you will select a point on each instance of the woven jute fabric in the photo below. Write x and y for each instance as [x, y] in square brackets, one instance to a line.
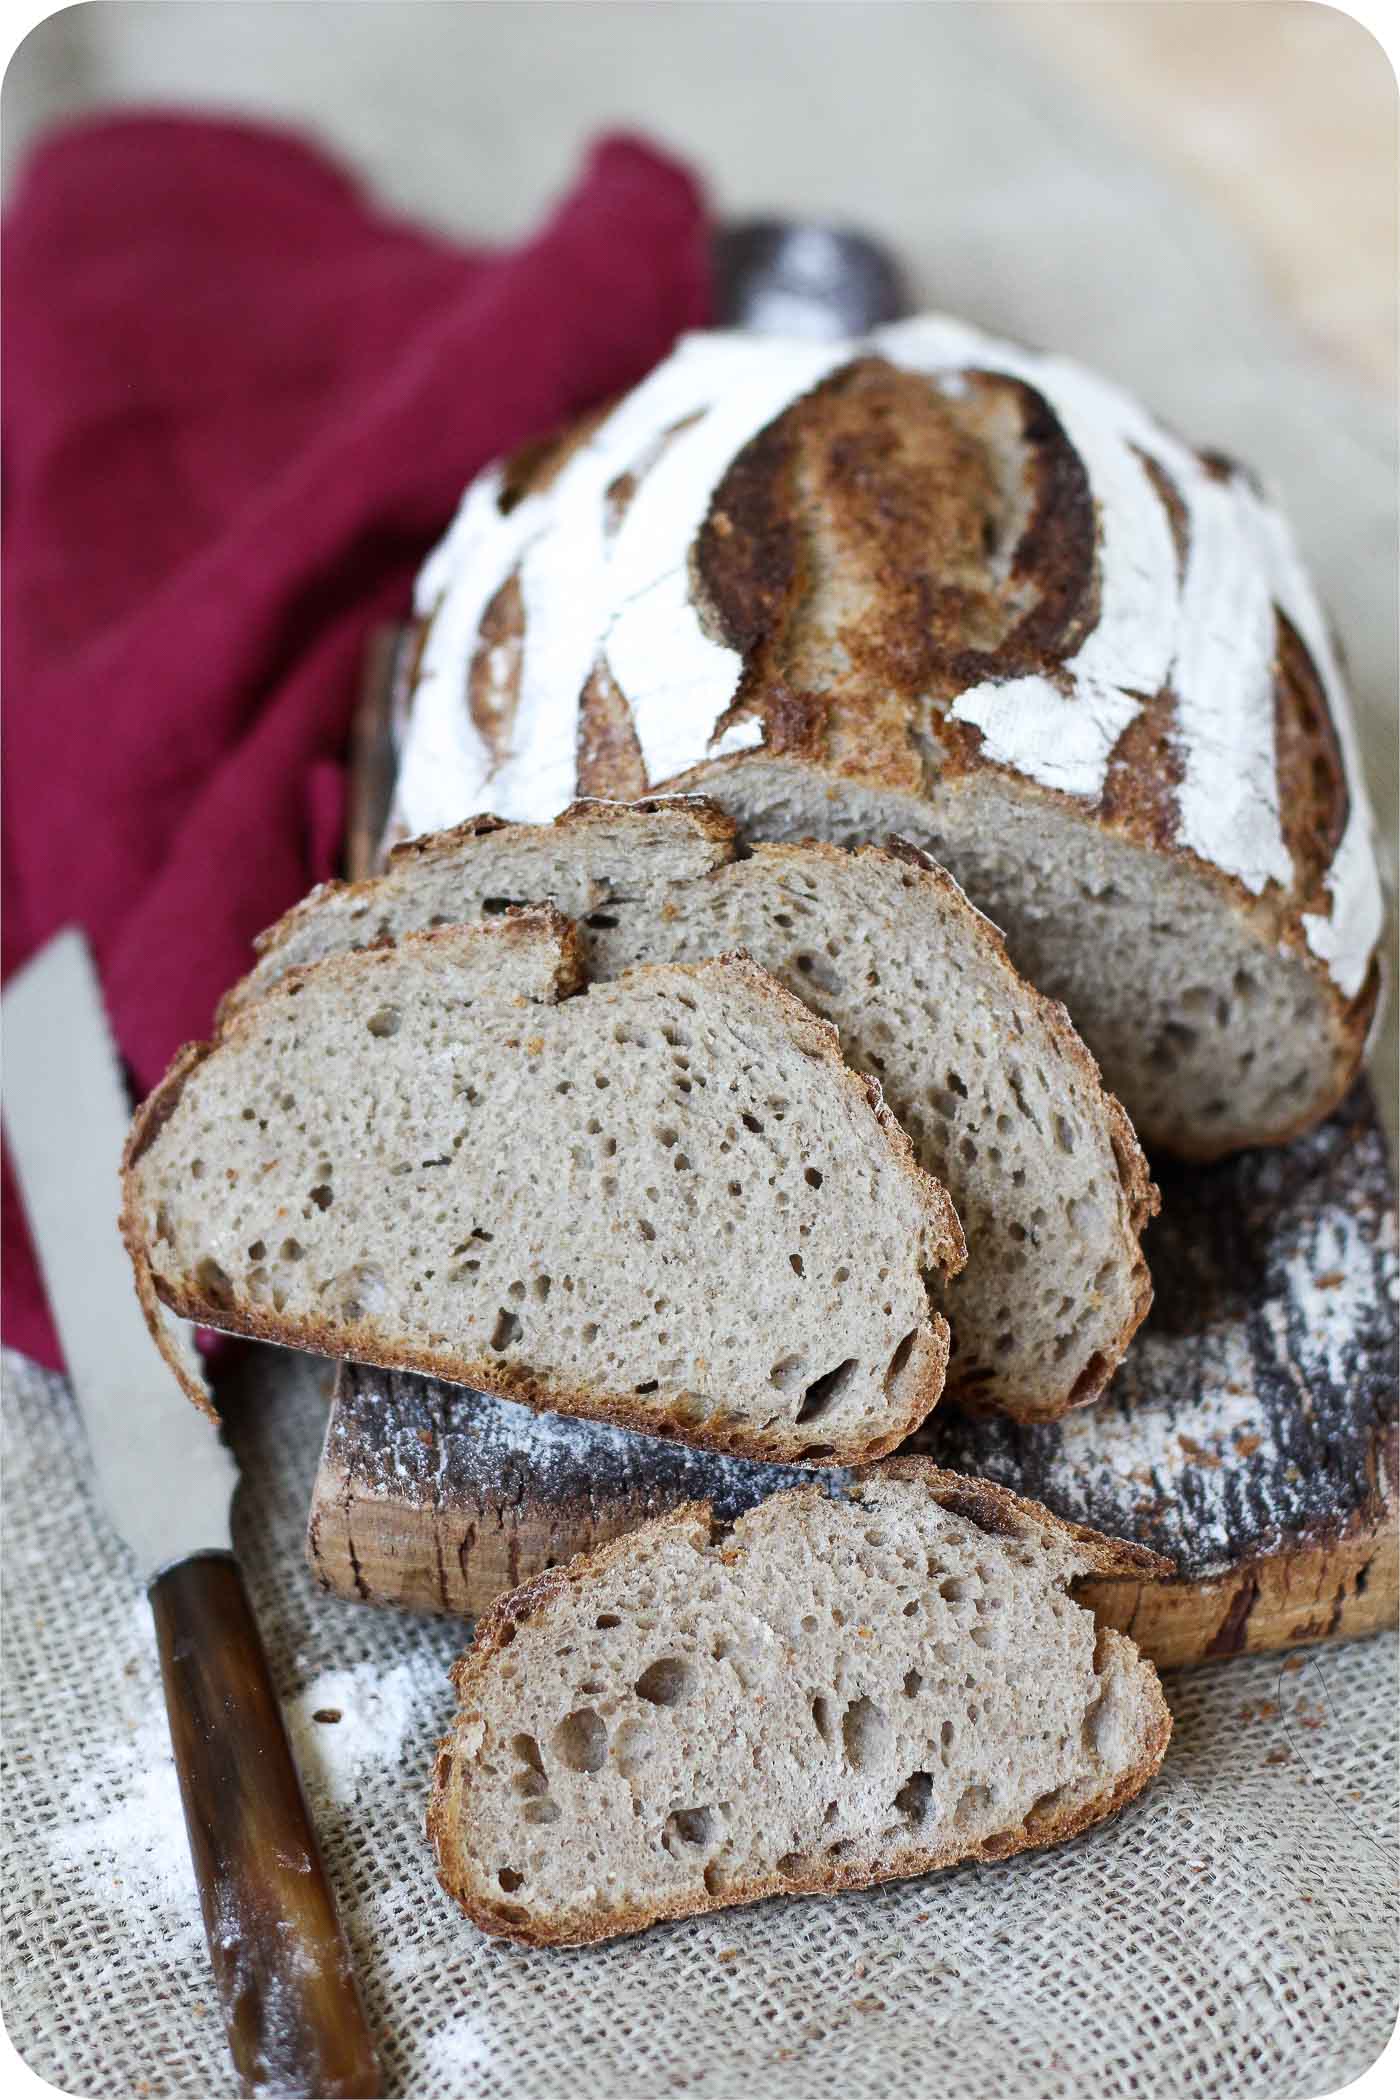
[1232, 1935]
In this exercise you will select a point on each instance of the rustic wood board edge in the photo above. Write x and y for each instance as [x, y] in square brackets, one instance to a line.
[443, 1543]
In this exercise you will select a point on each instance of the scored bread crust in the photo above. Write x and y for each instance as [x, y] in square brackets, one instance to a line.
[816, 1038]
[705, 821]
[851, 509]
[992, 1509]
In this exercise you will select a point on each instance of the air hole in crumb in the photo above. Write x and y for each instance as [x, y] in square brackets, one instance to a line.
[650, 1385]
[581, 1740]
[385, 1020]
[955, 1590]
[821, 1717]
[915, 1797]
[510, 1881]
[795, 1261]
[258, 1251]
[786, 1373]
[665, 1682]
[506, 1329]
[812, 1177]
[322, 1195]
[607, 1618]
[688, 1826]
[542, 1810]
[823, 1393]
[212, 1282]
[901, 1356]
[913, 1684]
[974, 1801]
[864, 1730]
[751, 1123]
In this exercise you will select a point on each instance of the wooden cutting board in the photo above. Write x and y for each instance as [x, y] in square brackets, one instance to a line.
[1250, 1435]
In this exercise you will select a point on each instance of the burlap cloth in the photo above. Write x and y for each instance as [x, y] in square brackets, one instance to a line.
[1233, 1934]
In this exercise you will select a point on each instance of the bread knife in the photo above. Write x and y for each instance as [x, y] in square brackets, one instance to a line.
[281, 1962]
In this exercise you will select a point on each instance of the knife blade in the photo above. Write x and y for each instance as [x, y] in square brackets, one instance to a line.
[292, 2011]
[67, 1112]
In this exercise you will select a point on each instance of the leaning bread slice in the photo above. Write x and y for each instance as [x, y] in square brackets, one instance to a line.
[663, 1201]
[828, 1694]
[1001, 1099]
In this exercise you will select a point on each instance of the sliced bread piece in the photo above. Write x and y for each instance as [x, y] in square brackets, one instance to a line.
[664, 1201]
[1001, 1099]
[828, 1694]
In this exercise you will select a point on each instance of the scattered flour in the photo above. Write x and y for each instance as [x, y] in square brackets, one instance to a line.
[122, 1838]
[457, 2049]
[387, 1718]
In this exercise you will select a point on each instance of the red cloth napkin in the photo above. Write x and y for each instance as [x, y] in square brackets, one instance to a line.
[240, 402]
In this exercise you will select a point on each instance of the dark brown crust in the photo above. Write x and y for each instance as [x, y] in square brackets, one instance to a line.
[703, 815]
[995, 1509]
[363, 1342]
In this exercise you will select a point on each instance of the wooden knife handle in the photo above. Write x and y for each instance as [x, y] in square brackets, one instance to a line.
[281, 1962]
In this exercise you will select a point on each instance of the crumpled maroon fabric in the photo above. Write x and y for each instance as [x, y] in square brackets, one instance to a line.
[241, 400]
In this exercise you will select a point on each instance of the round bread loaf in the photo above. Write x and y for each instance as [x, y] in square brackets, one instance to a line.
[936, 585]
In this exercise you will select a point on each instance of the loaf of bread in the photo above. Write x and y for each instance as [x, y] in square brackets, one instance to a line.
[663, 1201]
[824, 1695]
[936, 585]
[1001, 1099]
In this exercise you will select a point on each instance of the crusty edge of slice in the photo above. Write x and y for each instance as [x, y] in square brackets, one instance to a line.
[981, 1502]
[815, 1037]
[705, 818]
[1141, 1195]
[159, 1105]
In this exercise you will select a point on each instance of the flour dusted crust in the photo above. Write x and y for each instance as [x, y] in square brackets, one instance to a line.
[1024, 584]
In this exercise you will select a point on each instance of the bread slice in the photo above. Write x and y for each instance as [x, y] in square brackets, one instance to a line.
[828, 1694]
[663, 1201]
[1001, 1099]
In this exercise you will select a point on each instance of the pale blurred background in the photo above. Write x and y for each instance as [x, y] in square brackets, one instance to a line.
[1198, 196]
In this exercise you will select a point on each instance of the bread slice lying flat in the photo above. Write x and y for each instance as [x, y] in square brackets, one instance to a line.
[663, 1201]
[829, 1694]
[1000, 1097]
